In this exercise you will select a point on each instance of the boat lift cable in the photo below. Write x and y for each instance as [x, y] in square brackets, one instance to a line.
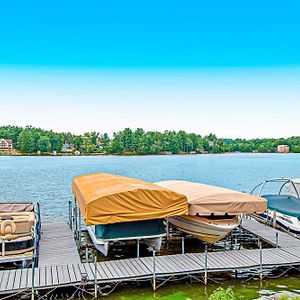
[281, 274]
[14, 295]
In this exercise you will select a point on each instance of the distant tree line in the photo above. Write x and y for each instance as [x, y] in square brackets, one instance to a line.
[140, 142]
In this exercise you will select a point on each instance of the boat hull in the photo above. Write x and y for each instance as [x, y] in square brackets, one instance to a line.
[290, 223]
[204, 229]
[103, 245]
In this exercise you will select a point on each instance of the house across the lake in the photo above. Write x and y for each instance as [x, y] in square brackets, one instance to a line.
[283, 149]
[67, 148]
[6, 144]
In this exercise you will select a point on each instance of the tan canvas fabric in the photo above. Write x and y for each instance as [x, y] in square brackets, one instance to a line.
[7, 207]
[206, 199]
[107, 198]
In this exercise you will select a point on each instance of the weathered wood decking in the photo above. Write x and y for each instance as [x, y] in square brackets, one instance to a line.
[55, 271]
[270, 235]
[57, 245]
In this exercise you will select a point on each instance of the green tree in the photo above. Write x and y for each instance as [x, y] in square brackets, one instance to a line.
[43, 144]
[26, 141]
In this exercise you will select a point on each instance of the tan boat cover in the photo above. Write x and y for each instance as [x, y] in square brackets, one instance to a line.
[205, 199]
[10, 207]
[108, 198]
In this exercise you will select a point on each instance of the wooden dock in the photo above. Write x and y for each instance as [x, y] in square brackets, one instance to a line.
[57, 245]
[270, 235]
[58, 269]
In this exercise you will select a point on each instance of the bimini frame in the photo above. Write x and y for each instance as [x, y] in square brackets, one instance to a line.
[284, 181]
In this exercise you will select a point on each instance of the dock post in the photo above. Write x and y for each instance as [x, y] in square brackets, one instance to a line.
[276, 239]
[138, 248]
[75, 220]
[32, 276]
[70, 214]
[154, 271]
[182, 245]
[95, 276]
[260, 261]
[274, 219]
[86, 253]
[205, 266]
[79, 229]
[3, 247]
[168, 228]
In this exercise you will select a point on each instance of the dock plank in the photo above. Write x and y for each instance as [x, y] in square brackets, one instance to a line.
[59, 267]
[57, 245]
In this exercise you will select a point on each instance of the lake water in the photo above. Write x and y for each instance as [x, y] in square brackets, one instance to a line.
[48, 180]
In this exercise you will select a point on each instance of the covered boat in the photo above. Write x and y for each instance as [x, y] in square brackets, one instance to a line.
[283, 202]
[115, 208]
[213, 210]
[19, 231]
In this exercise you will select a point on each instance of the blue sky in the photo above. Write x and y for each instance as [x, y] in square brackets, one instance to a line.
[229, 67]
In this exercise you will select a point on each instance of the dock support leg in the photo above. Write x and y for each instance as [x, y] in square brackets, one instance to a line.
[3, 247]
[79, 229]
[260, 261]
[138, 248]
[75, 220]
[32, 276]
[154, 271]
[70, 214]
[95, 276]
[86, 253]
[205, 266]
[274, 219]
[182, 245]
[168, 228]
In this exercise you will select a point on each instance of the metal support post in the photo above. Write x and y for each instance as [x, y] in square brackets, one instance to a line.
[154, 270]
[86, 253]
[260, 261]
[182, 245]
[168, 228]
[32, 275]
[274, 219]
[75, 221]
[79, 229]
[70, 214]
[205, 265]
[95, 276]
[3, 247]
[277, 239]
[138, 248]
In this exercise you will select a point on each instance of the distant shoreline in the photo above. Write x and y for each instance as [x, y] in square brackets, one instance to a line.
[132, 155]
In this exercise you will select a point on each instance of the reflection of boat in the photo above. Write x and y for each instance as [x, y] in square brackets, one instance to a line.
[213, 211]
[283, 202]
[19, 231]
[117, 208]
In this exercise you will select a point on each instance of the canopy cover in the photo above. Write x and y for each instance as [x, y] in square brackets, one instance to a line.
[285, 204]
[205, 200]
[107, 199]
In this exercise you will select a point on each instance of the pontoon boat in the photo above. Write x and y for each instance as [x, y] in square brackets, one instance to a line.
[117, 208]
[19, 231]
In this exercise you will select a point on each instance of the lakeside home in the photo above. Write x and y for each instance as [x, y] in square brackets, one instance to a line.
[283, 149]
[6, 144]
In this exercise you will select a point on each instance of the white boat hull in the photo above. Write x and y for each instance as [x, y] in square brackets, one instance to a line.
[290, 223]
[204, 229]
[103, 245]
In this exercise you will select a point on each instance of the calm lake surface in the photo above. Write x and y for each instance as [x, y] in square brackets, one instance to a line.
[48, 181]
